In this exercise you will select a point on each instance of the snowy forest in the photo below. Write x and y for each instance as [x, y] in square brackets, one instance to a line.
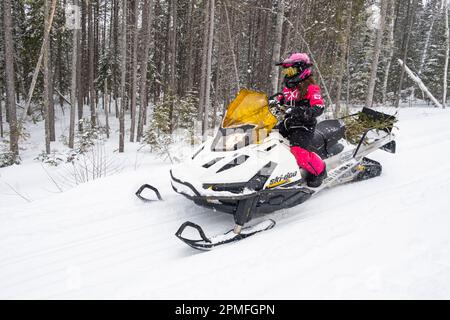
[150, 67]
[125, 146]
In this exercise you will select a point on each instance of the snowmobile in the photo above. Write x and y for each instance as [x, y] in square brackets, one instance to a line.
[247, 169]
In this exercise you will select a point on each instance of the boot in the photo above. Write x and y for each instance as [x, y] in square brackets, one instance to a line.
[314, 181]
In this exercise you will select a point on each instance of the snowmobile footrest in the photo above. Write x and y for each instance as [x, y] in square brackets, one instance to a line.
[147, 186]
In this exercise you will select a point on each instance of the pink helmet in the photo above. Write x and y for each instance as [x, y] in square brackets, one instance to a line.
[302, 63]
[296, 60]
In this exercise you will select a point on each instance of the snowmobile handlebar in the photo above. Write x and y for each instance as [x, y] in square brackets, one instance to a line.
[272, 97]
[275, 105]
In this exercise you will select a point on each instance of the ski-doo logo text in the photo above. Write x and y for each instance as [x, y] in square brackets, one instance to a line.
[282, 178]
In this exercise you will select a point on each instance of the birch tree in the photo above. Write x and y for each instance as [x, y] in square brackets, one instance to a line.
[419, 82]
[208, 69]
[123, 78]
[426, 46]
[376, 54]
[39, 62]
[46, 79]
[412, 4]
[277, 45]
[147, 20]
[390, 47]
[447, 49]
[91, 48]
[134, 65]
[202, 91]
[73, 96]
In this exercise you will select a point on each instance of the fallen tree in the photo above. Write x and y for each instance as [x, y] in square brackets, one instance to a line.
[421, 85]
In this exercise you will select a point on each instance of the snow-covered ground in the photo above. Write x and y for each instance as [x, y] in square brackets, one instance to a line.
[383, 238]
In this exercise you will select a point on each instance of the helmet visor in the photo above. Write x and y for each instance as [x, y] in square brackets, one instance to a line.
[290, 72]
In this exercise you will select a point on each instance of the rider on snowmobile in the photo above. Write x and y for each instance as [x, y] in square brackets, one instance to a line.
[303, 103]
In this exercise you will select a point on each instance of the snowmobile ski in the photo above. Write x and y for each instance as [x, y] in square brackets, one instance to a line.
[206, 243]
[147, 186]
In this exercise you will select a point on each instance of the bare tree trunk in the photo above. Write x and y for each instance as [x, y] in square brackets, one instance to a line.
[172, 59]
[208, 69]
[134, 71]
[447, 49]
[425, 52]
[391, 51]
[173, 46]
[1, 112]
[344, 54]
[190, 62]
[46, 80]
[105, 107]
[80, 68]
[347, 69]
[411, 12]
[115, 46]
[201, 105]
[91, 48]
[277, 45]
[73, 97]
[123, 78]
[10, 75]
[376, 54]
[147, 21]
[427, 44]
[51, 104]
[39, 62]
[233, 55]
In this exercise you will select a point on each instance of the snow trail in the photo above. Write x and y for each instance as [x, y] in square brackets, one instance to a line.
[382, 238]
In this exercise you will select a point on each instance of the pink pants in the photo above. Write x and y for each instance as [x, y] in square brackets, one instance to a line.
[308, 160]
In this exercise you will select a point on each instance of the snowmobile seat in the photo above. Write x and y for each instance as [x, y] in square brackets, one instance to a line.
[326, 137]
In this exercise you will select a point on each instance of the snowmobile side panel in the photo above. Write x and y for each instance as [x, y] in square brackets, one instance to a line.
[264, 201]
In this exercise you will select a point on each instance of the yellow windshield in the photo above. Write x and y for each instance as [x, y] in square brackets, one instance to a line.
[250, 107]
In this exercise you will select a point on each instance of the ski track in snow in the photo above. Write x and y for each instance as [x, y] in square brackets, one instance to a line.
[382, 238]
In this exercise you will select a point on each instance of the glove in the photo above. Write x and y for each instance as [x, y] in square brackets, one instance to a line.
[304, 112]
[281, 126]
[302, 115]
[274, 103]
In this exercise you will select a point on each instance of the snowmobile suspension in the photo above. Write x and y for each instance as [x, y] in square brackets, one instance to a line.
[244, 212]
